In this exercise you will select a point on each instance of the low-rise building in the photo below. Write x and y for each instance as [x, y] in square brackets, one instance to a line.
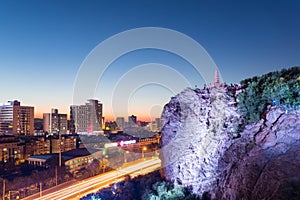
[65, 143]
[39, 160]
[74, 160]
[78, 159]
[37, 146]
[11, 149]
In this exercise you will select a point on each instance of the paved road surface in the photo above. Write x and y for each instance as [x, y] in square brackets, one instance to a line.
[93, 184]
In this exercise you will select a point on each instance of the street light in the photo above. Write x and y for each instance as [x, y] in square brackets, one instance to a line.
[41, 190]
[143, 150]
[156, 153]
[125, 157]
[3, 188]
[103, 166]
[60, 144]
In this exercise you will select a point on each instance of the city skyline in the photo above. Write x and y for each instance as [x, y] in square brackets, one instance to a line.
[43, 45]
[67, 115]
[149, 99]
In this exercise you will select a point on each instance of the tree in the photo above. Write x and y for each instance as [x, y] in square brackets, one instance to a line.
[163, 191]
[94, 167]
[270, 89]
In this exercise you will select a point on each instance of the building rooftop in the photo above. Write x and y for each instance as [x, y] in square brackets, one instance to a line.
[42, 157]
[68, 154]
[80, 152]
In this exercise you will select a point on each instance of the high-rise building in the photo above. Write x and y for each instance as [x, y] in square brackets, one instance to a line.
[46, 122]
[132, 120]
[95, 115]
[23, 121]
[120, 122]
[16, 119]
[78, 118]
[158, 123]
[6, 116]
[55, 122]
[86, 118]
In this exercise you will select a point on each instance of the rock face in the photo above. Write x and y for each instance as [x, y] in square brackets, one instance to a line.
[202, 149]
[265, 162]
[197, 127]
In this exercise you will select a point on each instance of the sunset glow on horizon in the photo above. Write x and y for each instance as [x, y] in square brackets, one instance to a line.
[41, 57]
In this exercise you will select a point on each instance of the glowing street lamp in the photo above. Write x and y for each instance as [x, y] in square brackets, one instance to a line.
[143, 150]
[102, 159]
[60, 145]
[125, 157]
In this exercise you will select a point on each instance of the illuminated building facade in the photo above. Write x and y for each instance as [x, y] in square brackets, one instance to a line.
[37, 146]
[16, 119]
[10, 149]
[67, 143]
[55, 122]
[86, 118]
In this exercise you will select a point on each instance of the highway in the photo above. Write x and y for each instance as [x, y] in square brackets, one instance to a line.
[79, 189]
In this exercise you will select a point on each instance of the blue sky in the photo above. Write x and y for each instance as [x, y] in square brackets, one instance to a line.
[43, 43]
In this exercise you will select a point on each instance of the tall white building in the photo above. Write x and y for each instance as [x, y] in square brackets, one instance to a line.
[6, 116]
[86, 118]
[79, 118]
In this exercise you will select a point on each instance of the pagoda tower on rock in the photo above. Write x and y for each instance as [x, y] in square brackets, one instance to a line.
[217, 79]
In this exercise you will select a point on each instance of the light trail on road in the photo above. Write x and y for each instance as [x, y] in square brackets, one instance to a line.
[144, 171]
[95, 183]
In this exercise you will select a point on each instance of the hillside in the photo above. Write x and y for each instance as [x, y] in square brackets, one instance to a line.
[236, 144]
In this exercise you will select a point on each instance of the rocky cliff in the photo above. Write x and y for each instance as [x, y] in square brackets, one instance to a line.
[202, 148]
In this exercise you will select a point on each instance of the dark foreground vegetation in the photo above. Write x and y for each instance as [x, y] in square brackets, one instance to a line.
[275, 88]
[150, 186]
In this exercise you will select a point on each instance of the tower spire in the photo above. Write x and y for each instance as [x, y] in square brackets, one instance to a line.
[217, 79]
